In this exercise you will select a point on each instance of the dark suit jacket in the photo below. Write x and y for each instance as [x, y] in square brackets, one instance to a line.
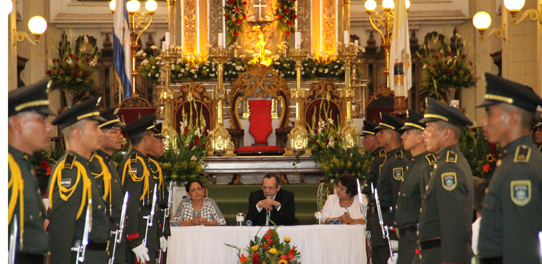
[286, 215]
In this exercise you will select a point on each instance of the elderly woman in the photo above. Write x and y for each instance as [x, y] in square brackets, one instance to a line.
[198, 210]
[344, 205]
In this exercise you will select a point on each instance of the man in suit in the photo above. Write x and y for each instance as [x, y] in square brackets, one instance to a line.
[271, 201]
[29, 130]
[512, 216]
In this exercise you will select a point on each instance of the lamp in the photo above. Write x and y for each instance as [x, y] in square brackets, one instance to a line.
[482, 21]
[37, 26]
[112, 6]
[514, 6]
[9, 6]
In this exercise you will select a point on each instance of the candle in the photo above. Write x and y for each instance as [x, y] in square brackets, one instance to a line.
[168, 38]
[298, 39]
[346, 37]
[356, 43]
[163, 46]
[220, 40]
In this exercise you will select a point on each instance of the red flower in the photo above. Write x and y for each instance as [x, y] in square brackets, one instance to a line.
[186, 130]
[190, 145]
[238, 21]
[196, 141]
[270, 241]
[295, 16]
[236, 34]
[76, 58]
[448, 53]
[290, 23]
[87, 59]
[327, 141]
[468, 72]
[44, 165]
[287, 11]
[237, 9]
[437, 57]
[255, 257]
[313, 141]
[244, 2]
[450, 71]
[49, 170]
[74, 73]
[432, 75]
[77, 67]
[58, 71]
[280, 16]
[315, 131]
[291, 253]
[266, 236]
[84, 72]
[457, 68]
[226, 15]
[288, 32]
[71, 55]
[470, 63]
[231, 2]
[486, 168]
[434, 66]
[244, 16]
[281, 3]
[463, 56]
[284, 257]
[55, 60]
[68, 68]
[48, 72]
[442, 70]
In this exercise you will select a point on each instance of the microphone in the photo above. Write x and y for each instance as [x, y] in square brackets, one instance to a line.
[268, 214]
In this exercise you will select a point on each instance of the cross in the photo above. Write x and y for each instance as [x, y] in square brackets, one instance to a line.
[260, 6]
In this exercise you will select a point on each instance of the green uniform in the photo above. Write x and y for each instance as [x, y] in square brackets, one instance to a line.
[139, 183]
[163, 194]
[109, 186]
[70, 188]
[409, 202]
[388, 182]
[446, 216]
[512, 215]
[23, 187]
[379, 155]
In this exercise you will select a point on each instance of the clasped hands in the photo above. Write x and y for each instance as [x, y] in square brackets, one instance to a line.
[268, 204]
[200, 221]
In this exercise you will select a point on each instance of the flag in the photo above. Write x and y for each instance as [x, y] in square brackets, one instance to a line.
[121, 47]
[400, 48]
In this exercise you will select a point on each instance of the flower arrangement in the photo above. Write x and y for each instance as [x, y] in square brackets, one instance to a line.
[72, 69]
[183, 159]
[446, 67]
[482, 157]
[268, 249]
[45, 160]
[235, 14]
[285, 16]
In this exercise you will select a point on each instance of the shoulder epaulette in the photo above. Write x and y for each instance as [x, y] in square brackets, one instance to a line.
[523, 154]
[431, 159]
[451, 157]
[133, 158]
[68, 161]
[399, 154]
[382, 153]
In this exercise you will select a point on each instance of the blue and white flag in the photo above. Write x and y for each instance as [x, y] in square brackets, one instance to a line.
[121, 47]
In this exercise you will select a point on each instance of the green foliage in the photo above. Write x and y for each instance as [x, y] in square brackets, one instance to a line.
[476, 150]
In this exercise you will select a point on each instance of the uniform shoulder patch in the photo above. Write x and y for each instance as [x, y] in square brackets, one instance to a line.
[451, 157]
[399, 154]
[382, 153]
[68, 161]
[398, 173]
[520, 192]
[431, 159]
[523, 154]
[133, 158]
[449, 180]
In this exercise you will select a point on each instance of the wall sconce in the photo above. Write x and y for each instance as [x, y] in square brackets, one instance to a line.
[37, 26]
[482, 21]
[514, 6]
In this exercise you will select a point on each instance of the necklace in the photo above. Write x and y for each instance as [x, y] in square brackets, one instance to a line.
[346, 206]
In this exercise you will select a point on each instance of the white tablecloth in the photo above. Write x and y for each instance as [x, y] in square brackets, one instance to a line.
[317, 243]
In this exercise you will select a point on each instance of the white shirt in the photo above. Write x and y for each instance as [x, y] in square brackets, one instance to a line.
[332, 207]
[475, 235]
[260, 208]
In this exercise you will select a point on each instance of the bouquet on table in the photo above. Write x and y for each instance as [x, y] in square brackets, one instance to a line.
[268, 249]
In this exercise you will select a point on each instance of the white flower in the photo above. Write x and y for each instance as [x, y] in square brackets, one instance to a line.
[195, 76]
[233, 64]
[182, 70]
[153, 67]
[331, 143]
[70, 62]
[198, 132]
[140, 53]
[192, 71]
[342, 68]
[193, 158]
[212, 75]
[330, 121]
[302, 72]
[326, 71]
[93, 62]
[448, 61]
[321, 124]
[157, 75]
[149, 74]
[213, 69]
[196, 66]
[154, 47]
[158, 58]
[145, 62]
[336, 67]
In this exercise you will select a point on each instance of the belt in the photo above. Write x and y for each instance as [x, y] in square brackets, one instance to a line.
[405, 230]
[493, 260]
[23, 258]
[114, 221]
[98, 246]
[384, 209]
[429, 243]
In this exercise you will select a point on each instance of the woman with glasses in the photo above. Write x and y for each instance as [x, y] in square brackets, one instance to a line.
[344, 206]
[198, 210]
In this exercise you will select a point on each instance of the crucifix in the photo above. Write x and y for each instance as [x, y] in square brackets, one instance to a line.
[260, 6]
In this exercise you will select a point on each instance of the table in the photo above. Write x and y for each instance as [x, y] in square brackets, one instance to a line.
[260, 164]
[317, 243]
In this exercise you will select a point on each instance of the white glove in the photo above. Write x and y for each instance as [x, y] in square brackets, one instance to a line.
[141, 253]
[394, 245]
[163, 243]
[393, 258]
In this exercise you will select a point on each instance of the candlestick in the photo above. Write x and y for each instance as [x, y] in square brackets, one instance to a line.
[346, 37]
[220, 40]
[168, 38]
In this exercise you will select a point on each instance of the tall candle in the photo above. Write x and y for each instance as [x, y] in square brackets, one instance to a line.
[298, 39]
[220, 40]
[168, 38]
[163, 46]
[356, 42]
[346, 37]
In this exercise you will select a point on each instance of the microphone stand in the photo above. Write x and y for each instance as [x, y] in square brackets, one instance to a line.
[268, 213]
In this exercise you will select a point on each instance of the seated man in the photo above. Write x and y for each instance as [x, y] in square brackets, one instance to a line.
[271, 203]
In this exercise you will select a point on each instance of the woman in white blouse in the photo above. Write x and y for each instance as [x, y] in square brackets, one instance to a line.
[198, 210]
[344, 205]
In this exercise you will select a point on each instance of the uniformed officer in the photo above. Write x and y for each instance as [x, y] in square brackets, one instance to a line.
[538, 133]
[378, 157]
[107, 177]
[388, 137]
[163, 195]
[446, 217]
[409, 200]
[512, 215]
[29, 130]
[72, 187]
[139, 183]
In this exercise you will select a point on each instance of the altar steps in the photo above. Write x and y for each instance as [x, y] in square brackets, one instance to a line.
[233, 199]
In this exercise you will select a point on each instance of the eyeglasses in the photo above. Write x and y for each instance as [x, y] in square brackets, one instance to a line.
[265, 188]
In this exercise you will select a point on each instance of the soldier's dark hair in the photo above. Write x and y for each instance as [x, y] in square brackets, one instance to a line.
[349, 181]
[187, 186]
[456, 131]
[136, 139]
[480, 186]
[271, 176]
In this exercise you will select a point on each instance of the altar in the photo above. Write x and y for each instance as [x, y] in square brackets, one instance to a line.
[317, 243]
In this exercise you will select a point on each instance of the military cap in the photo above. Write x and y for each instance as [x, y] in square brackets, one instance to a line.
[33, 97]
[368, 128]
[413, 121]
[158, 131]
[111, 117]
[146, 123]
[85, 110]
[538, 121]
[437, 111]
[388, 121]
[499, 90]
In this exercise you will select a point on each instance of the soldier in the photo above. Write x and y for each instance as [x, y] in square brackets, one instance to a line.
[538, 133]
[29, 130]
[156, 171]
[511, 219]
[409, 200]
[72, 187]
[107, 177]
[446, 215]
[137, 181]
[389, 138]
